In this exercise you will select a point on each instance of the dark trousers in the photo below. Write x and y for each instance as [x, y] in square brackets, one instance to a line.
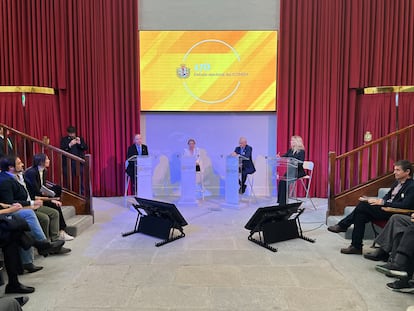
[12, 258]
[363, 213]
[406, 247]
[62, 223]
[281, 192]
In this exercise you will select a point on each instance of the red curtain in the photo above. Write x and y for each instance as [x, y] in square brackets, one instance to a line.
[88, 52]
[329, 49]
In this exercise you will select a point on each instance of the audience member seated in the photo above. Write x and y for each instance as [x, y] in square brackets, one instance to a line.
[400, 196]
[43, 246]
[13, 190]
[12, 231]
[35, 178]
[389, 237]
[397, 240]
[12, 304]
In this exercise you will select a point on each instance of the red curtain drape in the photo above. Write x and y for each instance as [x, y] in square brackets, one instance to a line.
[88, 52]
[329, 49]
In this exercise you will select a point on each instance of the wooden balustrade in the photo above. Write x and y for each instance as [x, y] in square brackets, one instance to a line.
[77, 190]
[365, 169]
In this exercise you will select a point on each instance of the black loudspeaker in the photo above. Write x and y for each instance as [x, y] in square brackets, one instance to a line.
[158, 219]
[280, 231]
[155, 226]
[275, 224]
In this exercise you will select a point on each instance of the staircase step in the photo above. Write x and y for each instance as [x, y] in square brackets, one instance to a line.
[77, 224]
[68, 211]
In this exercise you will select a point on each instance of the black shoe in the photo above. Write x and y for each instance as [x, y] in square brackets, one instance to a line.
[55, 246]
[60, 251]
[351, 250]
[19, 289]
[393, 270]
[45, 247]
[377, 255]
[31, 268]
[243, 188]
[336, 229]
[42, 247]
[402, 286]
[22, 300]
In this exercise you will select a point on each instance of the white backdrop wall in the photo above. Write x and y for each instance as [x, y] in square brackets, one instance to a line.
[208, 15]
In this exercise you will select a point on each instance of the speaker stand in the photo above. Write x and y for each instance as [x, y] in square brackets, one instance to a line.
[278, 230]
[156, 227]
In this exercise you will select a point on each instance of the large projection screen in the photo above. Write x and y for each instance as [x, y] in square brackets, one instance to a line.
[208, 70]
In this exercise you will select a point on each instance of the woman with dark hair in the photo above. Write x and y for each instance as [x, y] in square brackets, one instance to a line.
[35, 178]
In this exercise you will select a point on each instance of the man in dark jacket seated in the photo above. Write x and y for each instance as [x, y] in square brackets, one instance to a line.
[400, 196]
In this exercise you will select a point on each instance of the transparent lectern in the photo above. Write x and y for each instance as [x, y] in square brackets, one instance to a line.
[287, 174]
[143, 175]
[233, 170]
[188, 180]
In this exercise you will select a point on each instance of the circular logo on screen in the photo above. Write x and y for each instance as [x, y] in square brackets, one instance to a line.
[215, 73]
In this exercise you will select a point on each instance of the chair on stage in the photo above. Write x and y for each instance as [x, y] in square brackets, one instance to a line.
[200, 182]
[250, 185]
[305, 181]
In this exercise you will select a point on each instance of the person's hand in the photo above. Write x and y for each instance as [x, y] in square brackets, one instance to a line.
[58, 203]
[412, 217]
[233, 154]
[374, 201]
[37, 204]
[278, 155]
[77, 140]
[72, 142]
[15, 207]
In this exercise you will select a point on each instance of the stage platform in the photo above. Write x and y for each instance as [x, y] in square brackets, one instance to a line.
[214, 267]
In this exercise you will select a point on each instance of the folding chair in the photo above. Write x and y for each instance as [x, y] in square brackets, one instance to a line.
[306, 180]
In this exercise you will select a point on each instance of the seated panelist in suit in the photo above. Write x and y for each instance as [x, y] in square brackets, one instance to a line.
[35, 178]
[136, 149]
[247, 165]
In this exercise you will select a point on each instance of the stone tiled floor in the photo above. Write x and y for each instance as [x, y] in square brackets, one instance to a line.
[214, 267]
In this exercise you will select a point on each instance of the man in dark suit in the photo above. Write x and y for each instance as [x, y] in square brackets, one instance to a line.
[136, 149]
[247, 166]
[74, 145]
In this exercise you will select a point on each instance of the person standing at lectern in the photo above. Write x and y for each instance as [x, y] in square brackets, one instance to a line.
[193, 151]
[136, 149]
[247, 166]
[297, 151]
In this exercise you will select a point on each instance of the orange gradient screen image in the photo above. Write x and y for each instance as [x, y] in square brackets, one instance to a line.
[208, 70]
